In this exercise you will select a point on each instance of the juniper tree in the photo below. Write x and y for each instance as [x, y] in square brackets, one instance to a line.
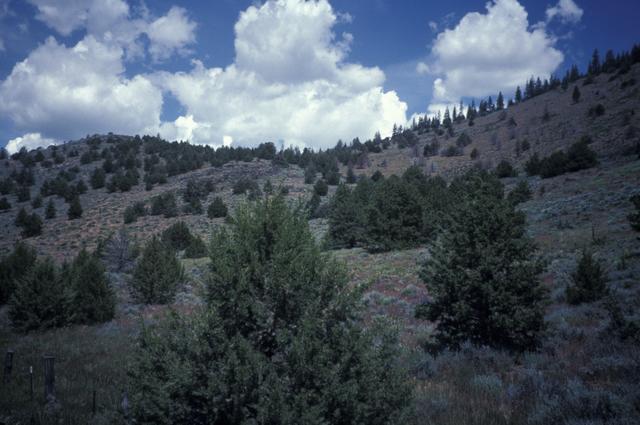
[521, 193]
[75, 209]
[588, 282]
[13, 267]
[483, 273]
[92, 297]
[321, 188]
[50, 210]
[4, 204]
[278, 341]
[345, 230]
[157, 274]
[634, 218]
[217, 208]
[41, 299]
[177, 236]
[576, 94]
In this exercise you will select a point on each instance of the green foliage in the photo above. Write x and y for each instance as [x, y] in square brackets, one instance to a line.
[576, 94]
[31, 223]
[278, 341]
[23, 193]
[75, 209]
[217, 208]
[36, 202]
[92, 297]
[578, 157]
[505, 169]
[268, 187]
[533, 165]
[4, 204]
[177, 236]
[474, 153]
[394, 217]
[333, 178]
[351, 177]
[40, 300]
[521, 193]
[588, 281]
[244, 185]
[98, 178]
[196, 248]
[483, 275]
[310, 174]
[133, 212]
[157, 274]
[346, 219]
[634, 218]
[14, 267]
[321, 188]
[463, 140]
[164, 204]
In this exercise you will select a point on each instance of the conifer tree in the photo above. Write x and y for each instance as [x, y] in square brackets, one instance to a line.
[321, 188]
[14, 267]
[500, 102]
[41, 299]
[345, 230]
[280, 327]
[588, 281]
[75, 208]
[157, 274]
[576, 94]
[351, 177]
[93, 298]
[483, 273]
[217, 208]
[634, 218]
[50, 210]
[518, 95]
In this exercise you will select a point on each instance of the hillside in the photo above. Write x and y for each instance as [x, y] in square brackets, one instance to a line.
[566, 214]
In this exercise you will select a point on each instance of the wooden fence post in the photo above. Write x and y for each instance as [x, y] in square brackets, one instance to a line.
[49, 378]
[8, 366]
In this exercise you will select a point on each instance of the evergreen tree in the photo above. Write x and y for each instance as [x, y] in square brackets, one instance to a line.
[14, 267]
[4, 204]
[482, 273]
[634, 218]
[217, 208]
[36, 202]
[588, 281]
[41, 299]
[31, 224]
[177, 236]
[394, 218]
[23, 193]
[98, 178]
[268, 187]
[345, 230]
[576, 94]
[281, 328]
[500, 102]
[505, 169]
[321, 188]
[594, 65]
[92, 297]
[196, 248]
[521, 193]
[50, 210]
[75, 209]
[351, 177]
[310, 174]
[518, 95]
[157, 274]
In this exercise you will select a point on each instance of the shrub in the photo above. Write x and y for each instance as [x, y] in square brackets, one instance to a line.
[31, 224]
[483, 274]
[588, 281]
[196, 248]
[92, 297]
[634, 218]
[177, 236]
[36, 202]
[157, 274]
[596, 111]
[98, 178]
[41, 299]
[4, 204]
[451, 151]
[310, 174]
[431, 149]
[533, 165]
[474, 153]
[217, 208]
[505, 169]
[580, 156]
[14, 267]
[333, 178]
[321, 188]
[75, 209]
[553, 165]
[133, 212]
[463, 140]
[245, 185]
[279, 327]
[23, 193]
[521, 193]
[164, 204]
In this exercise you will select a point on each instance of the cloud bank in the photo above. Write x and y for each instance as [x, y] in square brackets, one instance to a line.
[490, 52]
[290, 79]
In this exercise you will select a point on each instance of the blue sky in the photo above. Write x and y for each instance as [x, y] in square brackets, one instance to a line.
[307, 73]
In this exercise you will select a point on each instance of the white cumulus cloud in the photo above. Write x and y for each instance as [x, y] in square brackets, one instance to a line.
[68, 92]
[170, 33]
[488, 52]
[28, 141]
[566, 11]
[289, 81]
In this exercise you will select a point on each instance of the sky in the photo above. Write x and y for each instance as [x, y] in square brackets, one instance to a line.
[298, 72]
